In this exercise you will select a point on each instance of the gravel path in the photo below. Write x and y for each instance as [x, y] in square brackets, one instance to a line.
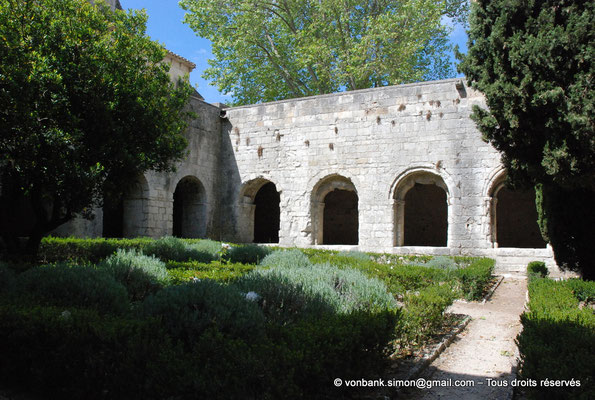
[484, 350]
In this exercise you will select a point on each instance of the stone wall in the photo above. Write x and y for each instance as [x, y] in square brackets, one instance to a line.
[383, 147]
[378, 143]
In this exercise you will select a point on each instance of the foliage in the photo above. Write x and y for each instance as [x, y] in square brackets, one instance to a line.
[356, 255]
[564, 217]
[290, 293]
[286, 258]
[211, 247]
[72, 286]
[188, 310]
[537, 269]
[87, 106]
[269, 51]
[7, 278]
[248, 254]
[533, 60]
[140, 274]
[475, 279]
[54, 249]
[181, 272]
[557, 341]
[171, 248]
[582, 290]
[423, 313]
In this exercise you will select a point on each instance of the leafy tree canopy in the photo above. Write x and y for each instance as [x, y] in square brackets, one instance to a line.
[84, 99]
[533, 60]
[269, 50]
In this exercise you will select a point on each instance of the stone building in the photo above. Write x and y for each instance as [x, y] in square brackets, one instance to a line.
[398, 169]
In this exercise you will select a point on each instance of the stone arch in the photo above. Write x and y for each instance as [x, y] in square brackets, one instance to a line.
[513, 216]
[334, 203]
[261, 210]
[421, 201]
[135, 213]
[190, 208]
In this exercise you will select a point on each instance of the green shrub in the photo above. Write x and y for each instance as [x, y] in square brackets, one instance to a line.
[206, 246]
[7, 278]
[72, 286]
[474, 279]
[181, 272]
[582, 290]
[537, 269]
[248, 254]
[557, 341]
[441, 262]
[293, 293]
[286, 258]
[54, 249]
[423, 313]
[355, 255]
[171, 248]
[187, 310]
[140, 274]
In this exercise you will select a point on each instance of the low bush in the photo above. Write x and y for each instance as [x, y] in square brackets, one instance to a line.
[140, 274]
[247, 254]
[537, 269]
[557, 341]
[182, 272]
[54, 249]
[582, 290]
[475, 279]
[7, 279]
[72, 286]
[187, 310]
[84, 355]
[207, 246]
[289, 294]
[423, 313]
[354, 255]
[286, 258]
[442, 262]
[171, 248]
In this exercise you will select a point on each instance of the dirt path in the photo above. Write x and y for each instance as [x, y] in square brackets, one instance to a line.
[484, 350]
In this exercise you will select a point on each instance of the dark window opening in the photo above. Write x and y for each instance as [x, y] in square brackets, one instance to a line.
[426, 216]
[516, 219]
[267, 214]
[340, 224]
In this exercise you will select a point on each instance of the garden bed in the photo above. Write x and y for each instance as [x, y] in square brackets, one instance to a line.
[173, 318]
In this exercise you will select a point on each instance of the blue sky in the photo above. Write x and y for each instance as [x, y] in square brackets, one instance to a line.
[165, 25]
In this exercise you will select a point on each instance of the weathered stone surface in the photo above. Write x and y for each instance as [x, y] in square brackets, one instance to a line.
[378, 143]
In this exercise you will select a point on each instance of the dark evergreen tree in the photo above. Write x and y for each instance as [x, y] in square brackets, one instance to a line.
[533, 60]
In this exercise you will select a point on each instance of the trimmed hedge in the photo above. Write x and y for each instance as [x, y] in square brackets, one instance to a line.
[140, 274]
[558, 340]
[187, 310]
[72, 286]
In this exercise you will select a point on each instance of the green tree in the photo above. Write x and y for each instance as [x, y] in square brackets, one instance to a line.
[533, 60]
[85, 100]
[267, 50]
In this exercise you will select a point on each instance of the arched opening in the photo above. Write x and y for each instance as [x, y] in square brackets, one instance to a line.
[426, 216]
[189, 213]
[267, 214]
[135, 216]
[335, 212]
[514, 218]
[125, 215]
[421, 210]
[340, 223]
